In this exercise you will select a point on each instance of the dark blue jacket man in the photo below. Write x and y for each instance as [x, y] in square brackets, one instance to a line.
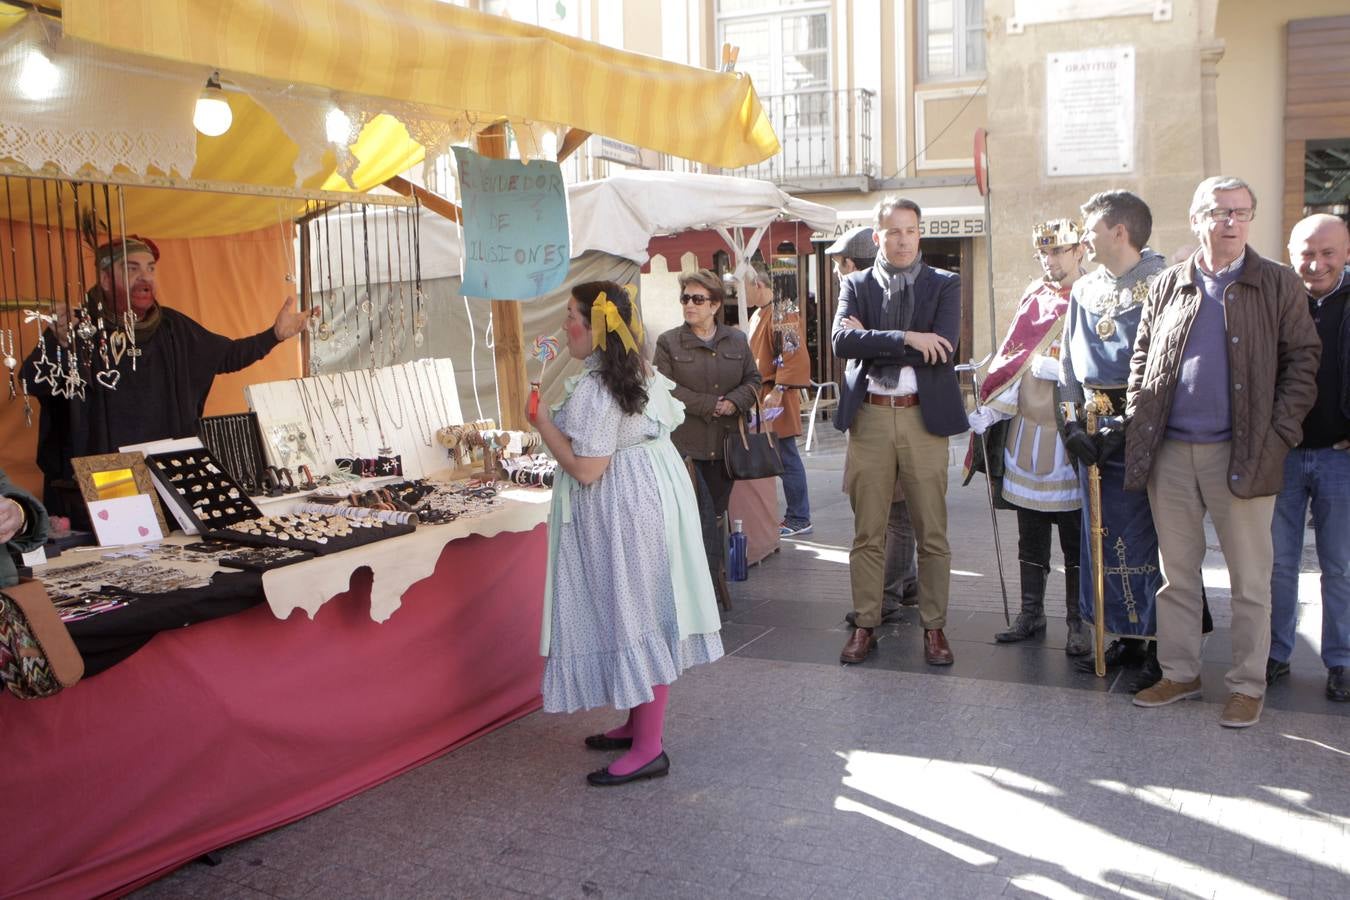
[897, 325]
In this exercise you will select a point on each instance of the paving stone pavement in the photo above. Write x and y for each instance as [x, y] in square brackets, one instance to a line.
[1007, 774]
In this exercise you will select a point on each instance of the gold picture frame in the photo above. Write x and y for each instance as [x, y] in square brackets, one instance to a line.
[105, 476]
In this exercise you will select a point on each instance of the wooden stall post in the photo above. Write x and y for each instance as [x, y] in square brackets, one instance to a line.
[507, 330]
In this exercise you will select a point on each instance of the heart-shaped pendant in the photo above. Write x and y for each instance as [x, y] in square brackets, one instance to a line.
[108, 378]
[117, 343]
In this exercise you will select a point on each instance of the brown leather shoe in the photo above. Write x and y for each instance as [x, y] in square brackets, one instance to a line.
[860, 643]
[935, 649]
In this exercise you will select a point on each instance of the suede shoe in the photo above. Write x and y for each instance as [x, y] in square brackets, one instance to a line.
[1275, 669]
[605, 742]
[936, 652]
[1338, 684]
[1167, 691]
[1241, 711]
[655, 769]
[860, 643]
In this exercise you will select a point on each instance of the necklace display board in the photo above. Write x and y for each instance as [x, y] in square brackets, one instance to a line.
[233, 439]
[368, 413]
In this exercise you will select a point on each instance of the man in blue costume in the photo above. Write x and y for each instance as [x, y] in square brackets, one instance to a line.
[1103, 314]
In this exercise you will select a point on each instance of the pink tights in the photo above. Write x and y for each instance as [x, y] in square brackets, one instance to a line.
[645, 725]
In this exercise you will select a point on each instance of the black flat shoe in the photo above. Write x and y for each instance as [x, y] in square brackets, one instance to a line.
[605, 742]
[1275, 669]
[1120, 652]
[654, 769]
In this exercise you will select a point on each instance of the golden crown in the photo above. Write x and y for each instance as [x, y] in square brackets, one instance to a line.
[1056, 233]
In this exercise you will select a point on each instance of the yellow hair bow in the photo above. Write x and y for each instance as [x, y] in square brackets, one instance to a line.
[605, 317]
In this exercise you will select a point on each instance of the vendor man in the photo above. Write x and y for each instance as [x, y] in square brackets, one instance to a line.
[155, 389]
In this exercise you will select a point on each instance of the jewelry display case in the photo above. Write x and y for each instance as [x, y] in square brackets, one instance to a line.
[201, 488]
[234, 440]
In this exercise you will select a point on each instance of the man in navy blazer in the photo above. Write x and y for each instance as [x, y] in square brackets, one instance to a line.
[898, 324]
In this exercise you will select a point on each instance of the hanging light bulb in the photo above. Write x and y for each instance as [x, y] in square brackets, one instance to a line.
[39, 78]
[338, 126]
[212, 116]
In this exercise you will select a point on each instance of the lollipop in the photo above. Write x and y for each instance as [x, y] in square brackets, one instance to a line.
[544, 348]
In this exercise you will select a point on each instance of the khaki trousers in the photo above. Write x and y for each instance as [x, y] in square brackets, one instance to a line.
[886, 445]
[1187, 481]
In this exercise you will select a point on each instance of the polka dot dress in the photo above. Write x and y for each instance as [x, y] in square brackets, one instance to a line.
[614, 627]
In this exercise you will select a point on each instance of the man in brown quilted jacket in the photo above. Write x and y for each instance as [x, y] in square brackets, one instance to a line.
[1222, 375]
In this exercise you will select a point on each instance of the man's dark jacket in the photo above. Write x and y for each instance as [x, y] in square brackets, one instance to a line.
[937, 309]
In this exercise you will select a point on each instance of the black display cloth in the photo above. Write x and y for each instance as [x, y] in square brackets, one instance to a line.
[110, 637]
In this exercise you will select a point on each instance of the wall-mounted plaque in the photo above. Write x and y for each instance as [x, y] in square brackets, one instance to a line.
[1089, 112]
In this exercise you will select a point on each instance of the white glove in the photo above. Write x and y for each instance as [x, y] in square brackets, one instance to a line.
[982, 418]
[1045, 368]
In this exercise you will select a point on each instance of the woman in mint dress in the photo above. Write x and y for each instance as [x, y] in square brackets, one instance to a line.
[628, 602]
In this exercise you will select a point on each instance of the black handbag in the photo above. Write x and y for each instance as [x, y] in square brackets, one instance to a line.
[751, 454]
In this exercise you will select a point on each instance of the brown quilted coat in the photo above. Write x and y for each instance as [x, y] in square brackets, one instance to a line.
[1273, 352]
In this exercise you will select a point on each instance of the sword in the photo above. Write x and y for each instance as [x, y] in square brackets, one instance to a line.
[973, 368]
[1097, 531]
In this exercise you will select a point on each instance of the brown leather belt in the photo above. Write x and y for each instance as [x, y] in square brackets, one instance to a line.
[893, 402]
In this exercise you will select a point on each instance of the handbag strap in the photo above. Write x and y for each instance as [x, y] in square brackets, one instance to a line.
[50, 633]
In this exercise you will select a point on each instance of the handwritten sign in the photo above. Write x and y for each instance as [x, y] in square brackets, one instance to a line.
[516, 243]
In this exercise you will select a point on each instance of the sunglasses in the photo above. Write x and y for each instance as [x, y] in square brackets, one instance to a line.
[696, 299]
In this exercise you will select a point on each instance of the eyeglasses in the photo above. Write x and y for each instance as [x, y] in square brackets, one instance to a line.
[696, 299]
[1224, 213]
[1053, 251]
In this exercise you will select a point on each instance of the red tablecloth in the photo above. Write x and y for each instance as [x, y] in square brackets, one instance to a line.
[217, 732]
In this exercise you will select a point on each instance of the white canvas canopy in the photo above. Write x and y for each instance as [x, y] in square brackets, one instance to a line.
[612, 222]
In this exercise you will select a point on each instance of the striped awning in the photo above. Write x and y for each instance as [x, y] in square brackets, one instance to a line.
[448, 58]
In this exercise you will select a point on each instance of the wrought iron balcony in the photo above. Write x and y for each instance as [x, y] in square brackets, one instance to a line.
[826, 137]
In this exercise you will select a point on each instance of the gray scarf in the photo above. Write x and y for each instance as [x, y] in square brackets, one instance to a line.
[897, 309]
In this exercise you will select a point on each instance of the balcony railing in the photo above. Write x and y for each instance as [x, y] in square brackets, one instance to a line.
[826, 137]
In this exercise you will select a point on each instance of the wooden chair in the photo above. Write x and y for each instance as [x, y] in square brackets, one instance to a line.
[815, 396]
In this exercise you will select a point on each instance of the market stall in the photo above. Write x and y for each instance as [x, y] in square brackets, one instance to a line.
[242, 723]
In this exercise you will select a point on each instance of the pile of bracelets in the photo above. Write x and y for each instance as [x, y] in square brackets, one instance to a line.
[530, 471]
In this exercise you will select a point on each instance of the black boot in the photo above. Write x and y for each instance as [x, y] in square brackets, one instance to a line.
[1079, 642]
[1030, 622]
[1150, 673]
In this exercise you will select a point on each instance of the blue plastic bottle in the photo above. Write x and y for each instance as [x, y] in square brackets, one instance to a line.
[737, 559]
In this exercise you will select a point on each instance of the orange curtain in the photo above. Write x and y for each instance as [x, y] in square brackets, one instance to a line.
[233, 285]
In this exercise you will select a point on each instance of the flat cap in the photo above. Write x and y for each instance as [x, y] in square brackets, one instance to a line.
[856, 243]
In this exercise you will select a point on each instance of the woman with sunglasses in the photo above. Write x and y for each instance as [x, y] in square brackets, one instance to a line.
[717, 381]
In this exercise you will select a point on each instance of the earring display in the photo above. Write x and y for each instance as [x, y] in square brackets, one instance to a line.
[261, 559]
[201, 487]
[234, 441]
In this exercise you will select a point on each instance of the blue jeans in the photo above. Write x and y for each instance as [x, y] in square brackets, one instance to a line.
[1322, 478]
[794, 483]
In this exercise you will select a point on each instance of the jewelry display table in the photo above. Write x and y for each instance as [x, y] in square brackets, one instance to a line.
[211, 734]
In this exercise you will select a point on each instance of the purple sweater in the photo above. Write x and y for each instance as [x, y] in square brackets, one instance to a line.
[1201, 411]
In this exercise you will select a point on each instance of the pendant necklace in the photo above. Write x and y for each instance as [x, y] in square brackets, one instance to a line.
[333, 404]
[398, 395]
[422, 429]
[384, 449]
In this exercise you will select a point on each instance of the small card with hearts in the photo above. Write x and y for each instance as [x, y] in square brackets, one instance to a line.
[125, 520]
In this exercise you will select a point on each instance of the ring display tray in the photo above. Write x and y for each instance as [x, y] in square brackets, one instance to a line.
[201, 488]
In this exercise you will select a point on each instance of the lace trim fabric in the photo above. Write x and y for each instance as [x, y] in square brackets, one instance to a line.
[65, 103]
[68, 104]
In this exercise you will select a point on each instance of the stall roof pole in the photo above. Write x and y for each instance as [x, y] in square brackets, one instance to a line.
[507, 329]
